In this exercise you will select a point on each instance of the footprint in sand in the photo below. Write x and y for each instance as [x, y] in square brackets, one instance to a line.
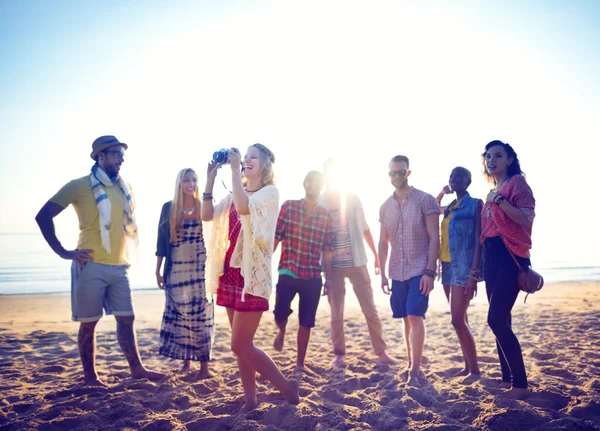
[142, 385]
[331, 394]
[547, 400]
[420, 396]
[558, 372]
[71, 354]
[542, 356]
[25, 407]
[210, 423]
[202, 388]
[76, 391]
[588, 410]
[376, 377]
[464, 411]
[226, 408]
[511, 419]
[53, 369]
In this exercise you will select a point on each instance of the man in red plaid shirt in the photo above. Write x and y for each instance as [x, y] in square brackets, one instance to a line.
[305, 232]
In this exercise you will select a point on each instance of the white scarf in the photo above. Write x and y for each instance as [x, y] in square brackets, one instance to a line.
[99, 180]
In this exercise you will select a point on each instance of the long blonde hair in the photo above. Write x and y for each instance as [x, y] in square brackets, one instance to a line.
[176, 214]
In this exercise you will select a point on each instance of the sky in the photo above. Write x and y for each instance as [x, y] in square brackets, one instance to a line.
[356, 81]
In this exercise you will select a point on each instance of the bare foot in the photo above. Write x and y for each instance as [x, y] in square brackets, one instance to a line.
[187, 366]
[517, 393]
[299, 370]
[143, 373]
[202, 374]
[404, 373]
[472, 377]
[464, 372]
[417, 379]
[414, 382]
[278, 343]
[291, 393]
[505, 385]
[338, 361]
[384, 358]
[96, 382]
[248, 407]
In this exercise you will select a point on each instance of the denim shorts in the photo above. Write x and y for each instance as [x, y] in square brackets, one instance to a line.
[448, 278]
[309, 292]
[407, 298]
[95, 287]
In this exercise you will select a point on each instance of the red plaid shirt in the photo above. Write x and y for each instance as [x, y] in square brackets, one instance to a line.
[303, 235]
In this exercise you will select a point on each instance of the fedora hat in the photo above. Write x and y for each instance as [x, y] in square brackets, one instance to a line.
[102, 143]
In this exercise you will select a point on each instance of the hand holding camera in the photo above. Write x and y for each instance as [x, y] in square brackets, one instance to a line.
[226, 156]
[235, 158]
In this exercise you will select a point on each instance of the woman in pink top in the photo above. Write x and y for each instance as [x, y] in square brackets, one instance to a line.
[506, 221]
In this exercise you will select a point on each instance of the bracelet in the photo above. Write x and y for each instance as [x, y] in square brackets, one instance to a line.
[475, 274]
[429, 273]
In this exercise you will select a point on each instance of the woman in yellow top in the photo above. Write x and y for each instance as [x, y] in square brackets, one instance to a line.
[460, 254]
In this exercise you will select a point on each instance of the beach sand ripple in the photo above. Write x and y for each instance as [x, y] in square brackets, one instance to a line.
[41, 386]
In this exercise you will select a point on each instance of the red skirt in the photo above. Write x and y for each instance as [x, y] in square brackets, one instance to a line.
[231, 283]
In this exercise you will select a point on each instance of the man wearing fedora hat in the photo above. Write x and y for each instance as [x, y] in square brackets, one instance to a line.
[99, 272]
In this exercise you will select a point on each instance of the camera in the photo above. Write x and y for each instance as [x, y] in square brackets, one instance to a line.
[221, 156]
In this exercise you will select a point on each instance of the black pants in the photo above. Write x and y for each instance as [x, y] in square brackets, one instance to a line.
[500, 275]
[309, 291]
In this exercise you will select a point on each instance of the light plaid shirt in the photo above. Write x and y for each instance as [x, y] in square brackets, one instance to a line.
[404, 222]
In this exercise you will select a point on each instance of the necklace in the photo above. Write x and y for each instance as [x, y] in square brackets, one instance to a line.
[253, 191]
[189, 212]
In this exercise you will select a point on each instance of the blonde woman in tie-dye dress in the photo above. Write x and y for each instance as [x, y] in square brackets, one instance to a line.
[187, 329]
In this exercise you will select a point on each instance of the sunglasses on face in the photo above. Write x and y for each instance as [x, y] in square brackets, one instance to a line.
[400, 173]
[118, 154]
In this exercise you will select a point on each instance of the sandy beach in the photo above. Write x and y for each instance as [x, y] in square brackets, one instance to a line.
[41, 386]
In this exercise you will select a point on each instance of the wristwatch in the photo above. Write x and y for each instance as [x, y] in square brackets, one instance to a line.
[498, 199]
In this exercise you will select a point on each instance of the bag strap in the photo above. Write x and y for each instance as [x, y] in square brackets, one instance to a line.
[517, 262]
[511, 254]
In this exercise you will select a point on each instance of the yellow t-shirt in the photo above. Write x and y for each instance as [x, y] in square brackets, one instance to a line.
[445, 246]
[79, 193]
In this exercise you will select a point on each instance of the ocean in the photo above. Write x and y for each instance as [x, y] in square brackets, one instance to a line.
[29, 266]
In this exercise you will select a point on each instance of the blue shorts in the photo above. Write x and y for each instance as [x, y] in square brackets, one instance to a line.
[407, 298]
[96, 287]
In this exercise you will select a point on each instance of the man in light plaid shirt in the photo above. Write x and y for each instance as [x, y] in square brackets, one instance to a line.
[409, 222]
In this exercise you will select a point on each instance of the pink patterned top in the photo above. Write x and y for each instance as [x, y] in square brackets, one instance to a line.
[495, 222]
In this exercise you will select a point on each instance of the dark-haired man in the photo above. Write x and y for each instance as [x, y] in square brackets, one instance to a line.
[99, 273]
[305, 232]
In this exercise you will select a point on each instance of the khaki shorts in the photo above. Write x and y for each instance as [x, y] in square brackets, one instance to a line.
[96, 287]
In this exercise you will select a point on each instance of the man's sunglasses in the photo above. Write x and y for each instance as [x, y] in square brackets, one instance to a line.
[118, 154]
[400, 173]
